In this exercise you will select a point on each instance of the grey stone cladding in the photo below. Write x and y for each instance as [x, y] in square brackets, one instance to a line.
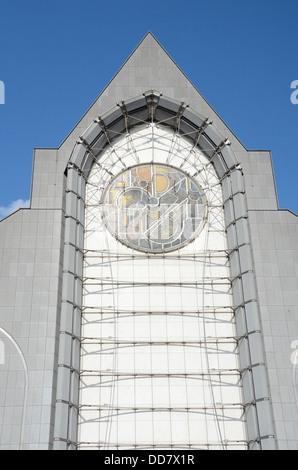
[41, 263]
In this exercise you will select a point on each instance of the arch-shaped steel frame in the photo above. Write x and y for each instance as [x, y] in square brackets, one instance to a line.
[125, 116]
[152, 107]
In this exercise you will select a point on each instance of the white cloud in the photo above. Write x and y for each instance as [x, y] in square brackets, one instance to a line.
[13, 206]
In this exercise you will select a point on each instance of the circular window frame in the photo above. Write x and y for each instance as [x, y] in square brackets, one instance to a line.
[165, 249]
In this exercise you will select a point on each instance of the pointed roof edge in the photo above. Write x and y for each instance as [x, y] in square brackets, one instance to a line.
[149, 33]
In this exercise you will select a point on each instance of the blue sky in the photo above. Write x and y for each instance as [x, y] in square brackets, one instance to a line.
[57, 56]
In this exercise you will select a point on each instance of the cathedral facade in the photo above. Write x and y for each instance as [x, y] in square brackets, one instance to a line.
[149, 294]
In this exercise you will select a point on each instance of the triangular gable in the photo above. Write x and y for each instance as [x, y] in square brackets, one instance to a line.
[148, 67]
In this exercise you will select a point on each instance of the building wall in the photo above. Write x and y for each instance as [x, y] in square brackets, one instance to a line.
[274, 235]
[30, 286]
[274, 239]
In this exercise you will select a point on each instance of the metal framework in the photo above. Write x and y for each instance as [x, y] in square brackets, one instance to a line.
[112, 283]
[94, 270]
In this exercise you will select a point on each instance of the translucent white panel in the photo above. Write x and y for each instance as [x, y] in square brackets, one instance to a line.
[159, 364]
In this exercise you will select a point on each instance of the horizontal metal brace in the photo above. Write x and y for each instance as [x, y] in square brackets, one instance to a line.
[113, 341]
[75, 194]
[261, 438]
[203, 407]
[202, 254]
[236, 248]
[229, 198]
[76, 276]
[67, 441]
[243, 304]
[79, 307]
[161, 445]
[68, 403]
[114, 282]
[112, 310]
[77, 221]
[239, 276]
[251, 366]
[74, 246]
[233, 222]
[254, 402]
[68, 333]
[246, 335]
[72, 369]
[110, 373]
